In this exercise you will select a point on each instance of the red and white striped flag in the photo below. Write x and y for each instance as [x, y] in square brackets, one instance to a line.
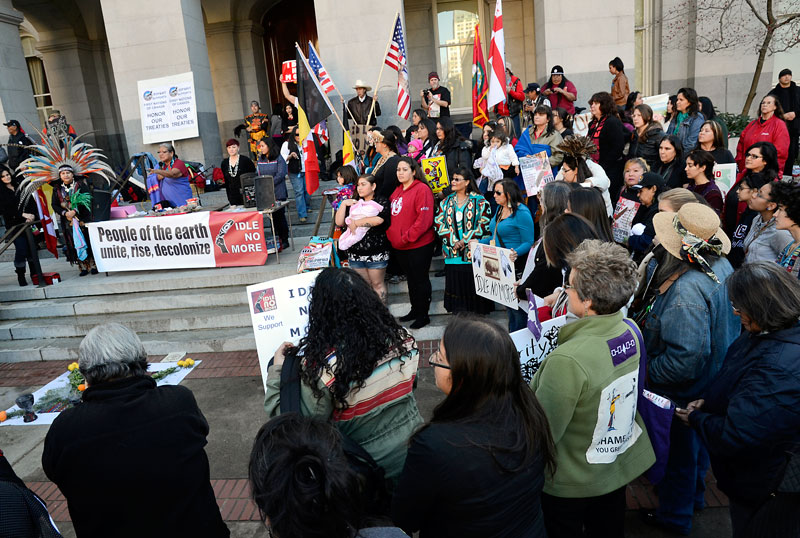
[321, 130]
[497, 61]
[319, 70]
[50, 239]
[396, 59]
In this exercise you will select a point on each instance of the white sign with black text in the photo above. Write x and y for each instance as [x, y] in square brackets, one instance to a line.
[493, 272]
[168, 108]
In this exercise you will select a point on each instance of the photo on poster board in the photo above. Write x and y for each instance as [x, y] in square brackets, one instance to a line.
[536, 172]
[623, 219]
[493, 274]
[279, 313]
[435, 171]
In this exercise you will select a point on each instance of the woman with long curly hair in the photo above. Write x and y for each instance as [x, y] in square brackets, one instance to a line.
[347, 368]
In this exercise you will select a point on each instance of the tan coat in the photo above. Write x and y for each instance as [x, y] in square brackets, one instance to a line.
[620, 89]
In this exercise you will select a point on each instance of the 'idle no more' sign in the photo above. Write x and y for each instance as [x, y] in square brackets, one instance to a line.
[279, 312]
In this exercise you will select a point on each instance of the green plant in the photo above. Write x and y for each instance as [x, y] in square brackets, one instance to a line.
[734, 122]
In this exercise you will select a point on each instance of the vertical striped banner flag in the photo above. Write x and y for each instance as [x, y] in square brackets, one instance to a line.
[480, 112]
[497, 59]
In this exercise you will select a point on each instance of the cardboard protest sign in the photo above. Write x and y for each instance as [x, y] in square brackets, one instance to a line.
[658, 103]
[358, 135]
[289, 71]
[623, 219]
[725, 177]
[493, 273]
[536, 172]
[435, 171]
[580, 124]
[279, 312]
[532, 350]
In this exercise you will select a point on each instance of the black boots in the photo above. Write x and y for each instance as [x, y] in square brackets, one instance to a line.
[21, 276]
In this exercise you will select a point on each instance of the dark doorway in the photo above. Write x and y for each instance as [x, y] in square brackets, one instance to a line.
[287, 22]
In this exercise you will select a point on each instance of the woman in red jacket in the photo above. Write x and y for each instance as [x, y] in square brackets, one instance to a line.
[411, 234]
[769, 127]
[513, 105]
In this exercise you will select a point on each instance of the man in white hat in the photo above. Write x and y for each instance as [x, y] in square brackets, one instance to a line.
[360, 105]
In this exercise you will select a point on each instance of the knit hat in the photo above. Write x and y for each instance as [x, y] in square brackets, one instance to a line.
[433, 74]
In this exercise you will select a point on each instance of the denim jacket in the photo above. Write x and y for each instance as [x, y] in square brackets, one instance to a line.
[688, 130]
[688, 332]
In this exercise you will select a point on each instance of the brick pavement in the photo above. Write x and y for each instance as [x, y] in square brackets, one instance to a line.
[233, 494]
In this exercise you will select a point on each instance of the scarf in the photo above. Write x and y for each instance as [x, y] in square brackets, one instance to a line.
[595, 128]
[692, 248]
[682, 116]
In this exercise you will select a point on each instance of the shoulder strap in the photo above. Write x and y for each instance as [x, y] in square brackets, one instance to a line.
[290, 385]
[642, 351]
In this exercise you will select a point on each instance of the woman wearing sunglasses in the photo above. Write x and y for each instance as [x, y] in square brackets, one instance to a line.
[478, 466]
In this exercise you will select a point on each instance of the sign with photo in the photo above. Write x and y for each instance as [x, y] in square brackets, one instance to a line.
[435, 171]
[279, 313]
[536, 172]
[493, 273]
[624, 213]
[358, 135]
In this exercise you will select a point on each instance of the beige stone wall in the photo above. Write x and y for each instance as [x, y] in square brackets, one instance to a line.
[16, 94]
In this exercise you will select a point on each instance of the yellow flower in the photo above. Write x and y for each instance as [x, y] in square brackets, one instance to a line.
[72, 367]
[189, 362]
[181, 363]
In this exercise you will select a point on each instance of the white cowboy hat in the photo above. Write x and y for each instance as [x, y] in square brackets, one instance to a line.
[360, 84]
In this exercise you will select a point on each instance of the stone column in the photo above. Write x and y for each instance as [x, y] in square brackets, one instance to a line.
[16, 93]
[157, 38]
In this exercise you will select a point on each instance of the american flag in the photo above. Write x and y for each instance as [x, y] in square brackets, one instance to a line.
[321, 130]
[319, 70]
[396, 59]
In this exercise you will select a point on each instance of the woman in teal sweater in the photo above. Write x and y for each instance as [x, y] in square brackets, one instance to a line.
[512, 228]
[463, 216]
[588, 387]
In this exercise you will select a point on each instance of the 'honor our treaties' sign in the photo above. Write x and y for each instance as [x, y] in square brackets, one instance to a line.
[168, 108]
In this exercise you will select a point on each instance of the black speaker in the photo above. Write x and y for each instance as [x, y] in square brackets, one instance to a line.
[248, 189]
[101, 205]
[265, 192]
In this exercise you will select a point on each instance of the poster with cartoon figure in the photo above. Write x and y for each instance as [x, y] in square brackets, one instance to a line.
[435, 171]
[616, 429]
[493, 273]
[533, 350]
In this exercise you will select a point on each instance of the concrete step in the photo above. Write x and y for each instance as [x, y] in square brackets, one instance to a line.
[158, 321]
[197, 341]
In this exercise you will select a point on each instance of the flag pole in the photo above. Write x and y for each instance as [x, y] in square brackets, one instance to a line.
[383, 64]
[336, 87]
[325, 96]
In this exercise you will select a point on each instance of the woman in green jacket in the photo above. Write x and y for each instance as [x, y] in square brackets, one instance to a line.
[588, 387]
[357, 369]
[462, 216]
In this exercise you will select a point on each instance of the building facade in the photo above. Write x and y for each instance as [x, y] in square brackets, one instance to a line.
[84, 57]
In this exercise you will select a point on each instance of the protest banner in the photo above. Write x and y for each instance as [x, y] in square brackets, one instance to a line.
[658, 103]
[359, 136]
[279, 312]
[167, 108]
[725, 177]
[203, 239]
[435, 171]
[623, 219]
[580, 124]
[536, 172]
[532, 351]
[289, 71]
[493, 273]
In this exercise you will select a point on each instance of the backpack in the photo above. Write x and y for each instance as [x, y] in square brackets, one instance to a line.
[374, 489]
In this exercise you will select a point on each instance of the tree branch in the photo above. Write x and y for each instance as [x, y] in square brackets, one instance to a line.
[756, 13]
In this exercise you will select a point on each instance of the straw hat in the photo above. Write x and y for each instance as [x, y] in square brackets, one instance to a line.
[361, 84]
[698, 219]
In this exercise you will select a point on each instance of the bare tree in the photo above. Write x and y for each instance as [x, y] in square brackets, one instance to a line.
[761, 26]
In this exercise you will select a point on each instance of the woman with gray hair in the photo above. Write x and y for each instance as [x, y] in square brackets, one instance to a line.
[749, 417]
[588, 387]
[130, 458]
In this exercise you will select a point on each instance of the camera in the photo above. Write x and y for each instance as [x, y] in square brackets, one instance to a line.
[426, 92]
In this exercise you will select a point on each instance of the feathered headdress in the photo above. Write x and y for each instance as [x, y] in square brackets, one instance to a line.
[578, 146]
[56, 153]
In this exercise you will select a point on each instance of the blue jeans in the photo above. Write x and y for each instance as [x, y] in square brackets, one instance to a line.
[517, 319]
[301, 197]
[683, 487]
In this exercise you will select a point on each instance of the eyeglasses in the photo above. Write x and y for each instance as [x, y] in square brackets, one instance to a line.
[433, 360]
[764, 197]
[743, 187]
[499, 193]
[568, 287]
[752, 156]
[735, 310]
[439, 129]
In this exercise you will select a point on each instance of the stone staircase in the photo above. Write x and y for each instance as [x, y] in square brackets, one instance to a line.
[193, 310]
